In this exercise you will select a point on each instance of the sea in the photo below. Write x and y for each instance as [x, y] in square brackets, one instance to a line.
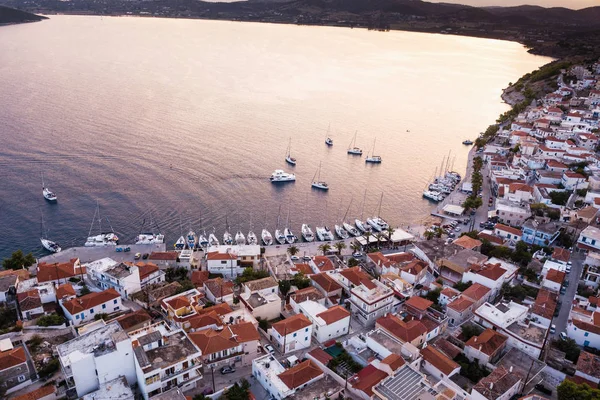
[174, 124]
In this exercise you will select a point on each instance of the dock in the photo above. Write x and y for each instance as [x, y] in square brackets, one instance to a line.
[89, 254]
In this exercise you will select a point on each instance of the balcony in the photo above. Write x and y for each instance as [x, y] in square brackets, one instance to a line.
[167, 376]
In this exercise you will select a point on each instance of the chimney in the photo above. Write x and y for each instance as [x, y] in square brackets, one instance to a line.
[510, 369]
[491, 385]
[475, 339]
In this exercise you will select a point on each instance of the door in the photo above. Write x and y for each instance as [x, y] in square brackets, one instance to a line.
[586, 343]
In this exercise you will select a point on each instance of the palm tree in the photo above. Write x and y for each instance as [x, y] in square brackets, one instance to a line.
[390, 232]
[429, 235]
[379, 236]
[293, 250]
[355, 247]
[325, 247]
[340, 246]
[368, 237]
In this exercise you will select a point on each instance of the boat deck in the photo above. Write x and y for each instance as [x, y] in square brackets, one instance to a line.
[88, 254]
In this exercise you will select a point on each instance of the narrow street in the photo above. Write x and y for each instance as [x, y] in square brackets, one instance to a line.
[577, 259]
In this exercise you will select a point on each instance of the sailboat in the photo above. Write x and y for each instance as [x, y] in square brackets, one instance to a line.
[279, 235]
[180, 243]
[373, 158]
[240, 239]
[318, 183]
[377, 222]
[288, 157]
[307, 233]
[212, 239]
[149, 237]
[352, 149]
[104, 238]
[48, 244]
[360, 225]
[349, 228]
[252, 239]
[47, 193]
[290, 238]
[191, 240]
[323, 232]
[265, 235]
[328, 140]
[227, 238]
[203, 240]
[339, 229]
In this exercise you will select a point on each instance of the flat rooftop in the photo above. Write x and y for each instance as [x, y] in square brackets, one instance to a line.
[99, 341]
[521, 363]
[532, 333]
[115, 389]
[386, 341]
[503, 314]
[323, 388]
[407, 384]
[271, 369]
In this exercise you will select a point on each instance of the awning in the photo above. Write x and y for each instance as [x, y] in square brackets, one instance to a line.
[453, 209]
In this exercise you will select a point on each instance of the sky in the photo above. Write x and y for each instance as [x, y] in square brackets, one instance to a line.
[575, 4]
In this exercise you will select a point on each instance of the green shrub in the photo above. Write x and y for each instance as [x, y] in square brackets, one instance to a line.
[50, 320]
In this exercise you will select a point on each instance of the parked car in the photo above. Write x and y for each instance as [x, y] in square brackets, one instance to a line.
[568, 269]
[295, 258]
[119, 249]
[357, 254]
[306, 258]
[145, 256]
[127, 249]
[563, 335]
[451, 235]
[563, 290]
[553, 328]
[543, 389]
[227, 370]
[566, 283]
[269, 348]
[457, 229]
[137, 256]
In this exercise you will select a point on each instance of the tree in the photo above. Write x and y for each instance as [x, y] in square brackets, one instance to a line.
[339, 246]
[560, 198]
[379, 237]
[300, 281]
[468, 331]
[325, 247]
[17, 260]
[284, 287]
[462, 286]
[200, 396]
[569, 347]
[239, 391]
[293, 250]
[355, 247]
[429, 235]
[390, 232]
[84, 290]
[368, 237]
[569, 390]
[433, 295]
[353, 262]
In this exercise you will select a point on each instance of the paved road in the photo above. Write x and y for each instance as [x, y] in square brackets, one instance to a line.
[577, 259]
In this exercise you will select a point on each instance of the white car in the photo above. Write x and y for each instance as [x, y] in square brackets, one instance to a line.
[269, 348]
[295, 258]
[563, 335]
[357, 254]
[553, 328]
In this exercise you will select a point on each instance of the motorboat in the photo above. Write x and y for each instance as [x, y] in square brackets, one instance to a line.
[288, 156]
[227, 238]
[351, 230]
[280, 175]
[327, 234]
[318, 183]
[329, 142]
[104, 238]
[191, 240]
[378, 224]
[467, 142]
[341, 232]
[362, 226]
[51, 246]
[252, 239]
[279, 236]
[212, 239]
[203, 240]
[352, 149]
[307, 233]
[320, 233]
[290, 238]
[47, 193]
[180, 243]
[433, 196]
[266, 236]
[150, 238]
[373, 159]
[240, 239]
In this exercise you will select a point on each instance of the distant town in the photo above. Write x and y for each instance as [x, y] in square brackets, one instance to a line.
[497, 299]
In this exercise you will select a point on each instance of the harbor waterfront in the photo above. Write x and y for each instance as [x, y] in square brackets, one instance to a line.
[192, 139]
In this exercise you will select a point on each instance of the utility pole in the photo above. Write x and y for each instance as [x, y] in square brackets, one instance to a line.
[212, 369]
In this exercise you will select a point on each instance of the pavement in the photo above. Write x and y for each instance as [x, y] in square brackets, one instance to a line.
[577, 259]
[89, 254]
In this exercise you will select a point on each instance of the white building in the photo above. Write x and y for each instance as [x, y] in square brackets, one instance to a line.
[589, 239]
[230, 261]
[261, 298]
[492, 275]
[371, 300]
[511, 213]
[85, 308]
[124, 278]
[327, 323]
[281, 383]
[291, 334]
[165, 359]
[572, 180]
[584, 327]
[97, 357]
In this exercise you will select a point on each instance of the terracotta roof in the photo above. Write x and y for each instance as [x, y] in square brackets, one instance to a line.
[501, 381]
[133, 319]
[491, 238]
[320, 355]
[291, 324]
[304, 268]
[179, 302]
[555, 275]
[215, 255]
[51, 272]
[447, 348]
[146, 269]
[65, 290]
[327, 283]
[488, 342]
[29, 300]
[210, 341]
[405, 331]
[219, 287]
[309, 293]
[356, 276]
[334, 314]
[300, 374]
[414, 267]
[164, 255]
[367, 378]
[204, 320]
[545, 303]
[561, 254]
[461, 304]
[419, 303]
[491, 271]
[394, 361]
[587, 212]
[23, 274]
[12, 358]
[439, 360]
[589, 364]
[379, 259]
[580, 380]
[88, 301]
[508, 229]
[449, 292]
[323, 263]
[260, 284]
[221, 309]
[400, 257]
[199, 277]
[37, 394]
[555, 164]
[594, 300]
[476, 292]
[467, 242]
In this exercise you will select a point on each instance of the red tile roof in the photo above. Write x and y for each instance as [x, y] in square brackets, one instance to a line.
[405, 331]
[321, 356]
[323, 263]
[199, 277]
[508, 229]
[461, 304]
[215, 255]
[467, 242]
[491, 271]
[300, 374]
[488, 342]
[178, 302]
[12, 358]
[309, 293]
[414, 267]
[291, 324]
[439, 360]
[555, 275]
[164, 255]
[52, 272]
[327, 283]
[304, 268]
[146, 269]
[400, 257]
[449, 292]
[589, 364]
[476, 292]
[219, 287]
[419, 303]
[29, 300]
[395, 361]
[356, 276]
[379, 259]
[334, 314]
[91, 300]
[545, 304]
[367, 378]
[65, 290]
[37, 394]
[210, 341]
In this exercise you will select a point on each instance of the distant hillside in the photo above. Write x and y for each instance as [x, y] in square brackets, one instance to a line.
[13, 16]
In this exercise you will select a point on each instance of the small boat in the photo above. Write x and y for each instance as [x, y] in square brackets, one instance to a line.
[48, 244]
[180, 243]
[266, 236]
[288, 156]
[104, 238]
[327, 233]
[373, 159]
[227, 237]
[212, 239]
[47, 193]
[341, 232]
[378, 224]
[279, 236]
[362, 226]
[252, 239]
[352, 149]
[191, 240]
[280, 176]
[328, 140]
[351, 230]
[318, 183]
[307, 233]
[290, 238]
[467, 142]
[150, 238]
[203, 240]
[240, 239]
[433, 196]
[320, 233]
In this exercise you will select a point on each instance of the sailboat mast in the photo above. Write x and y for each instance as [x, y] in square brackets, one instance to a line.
[380, 201]
[347, 210]
[362, 212]
[93, 219]
[447, 161]
[442, 166]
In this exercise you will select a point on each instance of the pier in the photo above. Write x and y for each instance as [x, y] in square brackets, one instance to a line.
[89, 254]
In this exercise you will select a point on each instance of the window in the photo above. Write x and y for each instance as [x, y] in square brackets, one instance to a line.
[295, 334]
[586, 334]
[115, 301]
[21, 378]
[306, 330]
[116, 308]
[306, 338]
[91, 310]
[103, 306]
[77, 316]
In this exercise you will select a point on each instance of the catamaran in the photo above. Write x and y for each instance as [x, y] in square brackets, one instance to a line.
[352, 149]
[47, 193]
[280, 175]
[104, 238]
[373, 158]
[48, 244]
[149, 237]
[227, 238]
[318, 183]
[212, 239]
[433, 196]
[307, 233]
[288, 156]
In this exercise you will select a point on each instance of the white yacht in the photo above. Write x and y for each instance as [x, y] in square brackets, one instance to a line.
[351, 230]
[290, 238]
[252, 239]
[433, 196]
[280, 175]
[212, 239]
[307, 233]
[373, 158]
[227, 238]
[378, 223]
[328, 235]
[240, 239]
[47, 193]
[318, 183]
[288, 155]
[352, 149]
[150, 238]
[266, 236]
[51, 246]
[320, 233]
[341, 232]
[361, 226]
[203, 240]
[191, 240]
[329, 141]
[279, 236]
[180, 243]
[104, 238]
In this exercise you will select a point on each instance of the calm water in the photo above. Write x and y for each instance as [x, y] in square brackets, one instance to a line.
[185, 120]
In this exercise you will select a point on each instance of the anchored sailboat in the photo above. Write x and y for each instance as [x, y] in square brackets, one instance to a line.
[318, 183]
[47, 193]
[352, 149]
[279, 235]
[362, 226]
[227, 238]
[373, 158]
[252, 239]
[212, 238]
[266, 236]
[328, 140]
[377, 222]
[48, 244]
[288, 156]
